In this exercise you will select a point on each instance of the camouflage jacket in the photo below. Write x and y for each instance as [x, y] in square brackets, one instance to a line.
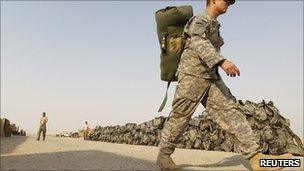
[202, 49]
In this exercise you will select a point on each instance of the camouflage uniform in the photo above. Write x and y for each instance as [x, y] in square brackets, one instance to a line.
[200, 82]
[86, 130]
[42, 128]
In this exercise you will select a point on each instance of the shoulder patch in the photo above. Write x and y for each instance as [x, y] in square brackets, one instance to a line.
[200, 27]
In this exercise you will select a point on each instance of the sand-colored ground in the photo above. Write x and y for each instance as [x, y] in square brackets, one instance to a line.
[58, 153]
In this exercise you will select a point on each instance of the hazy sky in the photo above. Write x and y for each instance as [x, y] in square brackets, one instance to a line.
[99, 60]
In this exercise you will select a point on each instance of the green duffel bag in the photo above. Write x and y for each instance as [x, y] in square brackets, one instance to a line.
[170, 26]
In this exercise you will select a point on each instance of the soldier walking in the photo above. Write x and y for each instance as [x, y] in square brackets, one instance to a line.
[199, 82]
[42, 126]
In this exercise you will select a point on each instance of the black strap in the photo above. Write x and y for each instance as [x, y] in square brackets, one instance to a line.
[165, 99]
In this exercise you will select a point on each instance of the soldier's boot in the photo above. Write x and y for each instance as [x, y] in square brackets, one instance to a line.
[255, 161]
[165, 162]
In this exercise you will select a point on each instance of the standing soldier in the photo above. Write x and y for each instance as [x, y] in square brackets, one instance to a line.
[86, 130]
[200, 82]
[42, 126]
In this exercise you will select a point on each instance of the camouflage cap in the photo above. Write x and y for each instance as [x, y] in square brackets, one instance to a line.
[231, 2]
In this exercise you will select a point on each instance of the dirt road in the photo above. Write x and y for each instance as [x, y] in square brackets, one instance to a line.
[58, 153]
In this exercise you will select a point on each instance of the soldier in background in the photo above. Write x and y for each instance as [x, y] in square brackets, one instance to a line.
[200, 82]
[42, 126]
[86, 130]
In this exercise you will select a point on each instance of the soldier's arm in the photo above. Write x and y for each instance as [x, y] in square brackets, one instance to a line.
[207, 52]
[202, 45]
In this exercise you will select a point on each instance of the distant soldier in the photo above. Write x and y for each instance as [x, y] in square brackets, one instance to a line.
[42, 126]
[199, 82]
[86, 130]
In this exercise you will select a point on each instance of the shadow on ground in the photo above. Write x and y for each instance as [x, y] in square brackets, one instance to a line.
[11, 145]
[227, 162]
[75, 160]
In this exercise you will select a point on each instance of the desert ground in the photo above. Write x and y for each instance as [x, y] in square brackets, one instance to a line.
[61, 153]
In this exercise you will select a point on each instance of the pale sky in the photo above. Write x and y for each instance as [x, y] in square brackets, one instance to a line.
[99, 60]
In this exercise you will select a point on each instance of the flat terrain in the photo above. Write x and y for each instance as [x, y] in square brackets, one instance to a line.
[56, 153]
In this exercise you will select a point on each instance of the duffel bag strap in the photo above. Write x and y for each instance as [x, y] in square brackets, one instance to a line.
[165, 99]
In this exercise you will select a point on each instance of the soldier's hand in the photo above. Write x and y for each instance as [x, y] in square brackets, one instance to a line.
[230, 68]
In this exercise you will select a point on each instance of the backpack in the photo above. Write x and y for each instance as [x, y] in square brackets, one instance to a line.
[170, 26]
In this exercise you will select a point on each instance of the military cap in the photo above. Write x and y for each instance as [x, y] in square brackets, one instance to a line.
[231, 2]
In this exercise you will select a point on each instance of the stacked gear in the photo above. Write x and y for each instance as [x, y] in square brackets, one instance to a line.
[202, 133]
[170, 26]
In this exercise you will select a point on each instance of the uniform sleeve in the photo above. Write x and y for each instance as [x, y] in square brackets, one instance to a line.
[202, 45]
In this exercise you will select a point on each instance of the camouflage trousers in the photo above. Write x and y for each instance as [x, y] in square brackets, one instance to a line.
[218, 102]
[85, 134]
[42, 129]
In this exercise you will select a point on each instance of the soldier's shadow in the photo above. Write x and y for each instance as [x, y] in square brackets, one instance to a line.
[226, 162]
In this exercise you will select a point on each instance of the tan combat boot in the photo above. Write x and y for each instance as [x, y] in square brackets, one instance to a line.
[165, 162]
[255, 161]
